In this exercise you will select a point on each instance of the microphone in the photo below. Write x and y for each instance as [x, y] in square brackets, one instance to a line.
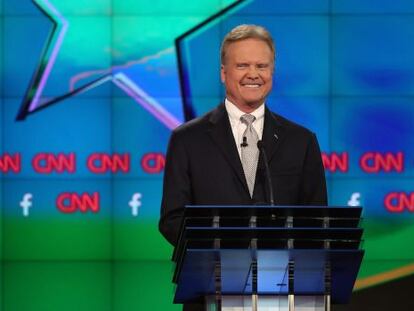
[244, 143]
[261, 147]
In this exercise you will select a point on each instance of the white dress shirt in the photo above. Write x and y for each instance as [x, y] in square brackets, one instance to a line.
[238, 128]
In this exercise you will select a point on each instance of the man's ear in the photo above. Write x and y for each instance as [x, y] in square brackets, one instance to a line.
[273, 68]
[222, 73]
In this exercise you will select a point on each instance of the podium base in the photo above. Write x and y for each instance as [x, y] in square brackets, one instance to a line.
[267, 303]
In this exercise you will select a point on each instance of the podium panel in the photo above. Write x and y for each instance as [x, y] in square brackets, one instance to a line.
[268, 258]
[197, 277]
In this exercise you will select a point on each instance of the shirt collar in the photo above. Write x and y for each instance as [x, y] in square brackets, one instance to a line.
[235, 113]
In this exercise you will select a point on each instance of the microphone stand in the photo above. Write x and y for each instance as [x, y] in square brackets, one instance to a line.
[260, 145]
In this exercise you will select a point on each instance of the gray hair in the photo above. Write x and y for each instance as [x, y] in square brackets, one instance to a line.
[243, 32]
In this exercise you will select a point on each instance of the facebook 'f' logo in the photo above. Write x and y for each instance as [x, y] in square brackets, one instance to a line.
[135, 203]
[355, 199]
[26, 203]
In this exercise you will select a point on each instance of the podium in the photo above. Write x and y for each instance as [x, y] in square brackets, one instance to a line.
[270, 258]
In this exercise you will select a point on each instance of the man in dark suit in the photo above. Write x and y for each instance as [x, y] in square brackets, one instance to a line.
[215, 160]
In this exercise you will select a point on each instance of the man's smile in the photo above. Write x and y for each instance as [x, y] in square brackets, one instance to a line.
[251, 85]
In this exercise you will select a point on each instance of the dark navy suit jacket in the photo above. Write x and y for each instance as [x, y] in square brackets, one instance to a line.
[203, 167]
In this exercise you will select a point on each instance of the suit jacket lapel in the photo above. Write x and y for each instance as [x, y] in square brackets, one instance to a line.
[272, 136]
[273, 133]
[221, 133]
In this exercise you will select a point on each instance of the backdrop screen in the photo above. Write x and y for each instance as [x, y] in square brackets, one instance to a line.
[91, 90]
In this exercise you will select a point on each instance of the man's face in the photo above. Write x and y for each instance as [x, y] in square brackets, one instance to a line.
[247, 73]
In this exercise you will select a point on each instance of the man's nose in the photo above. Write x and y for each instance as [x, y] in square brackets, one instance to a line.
[252, 73]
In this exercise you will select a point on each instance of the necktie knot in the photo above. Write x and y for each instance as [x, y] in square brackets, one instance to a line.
[247, 119]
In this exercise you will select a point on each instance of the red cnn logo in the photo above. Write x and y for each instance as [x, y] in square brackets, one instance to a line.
[100, 163]
[46, 163]
[10, 163]
[70, 202]
[334, 161]
[153, 163]
[397, 202]
[374, 162]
